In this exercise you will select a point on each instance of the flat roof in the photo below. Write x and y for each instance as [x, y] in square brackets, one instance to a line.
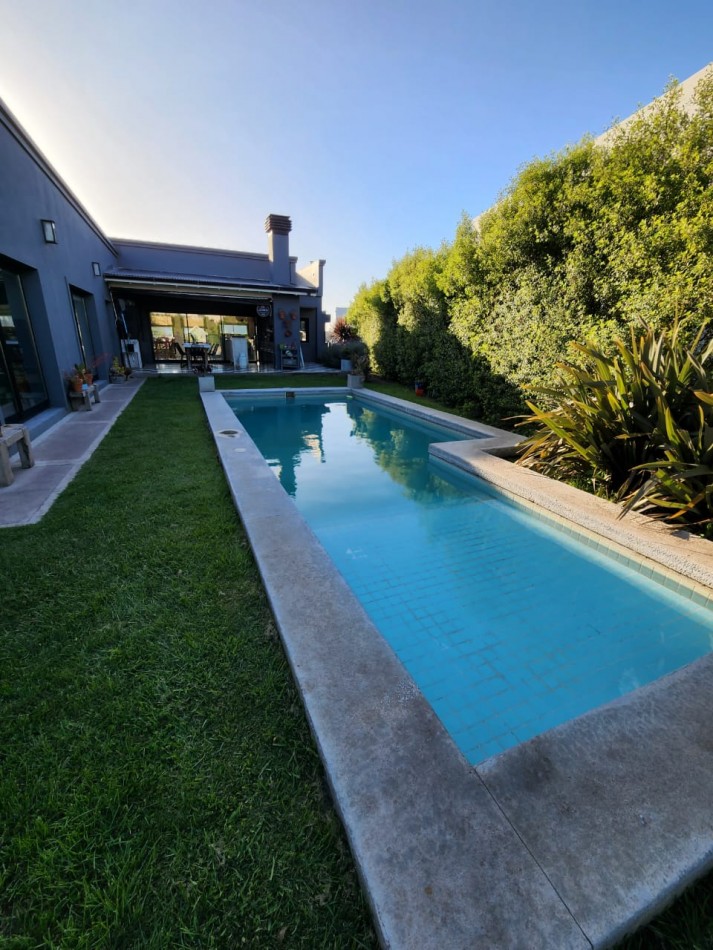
[154, 279]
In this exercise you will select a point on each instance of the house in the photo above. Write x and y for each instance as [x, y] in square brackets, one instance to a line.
[70, 294]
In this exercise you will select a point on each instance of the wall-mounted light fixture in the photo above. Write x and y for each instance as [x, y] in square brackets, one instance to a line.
[49, 231]
[96, 268]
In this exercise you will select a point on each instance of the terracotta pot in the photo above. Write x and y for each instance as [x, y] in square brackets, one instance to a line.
[76, 385]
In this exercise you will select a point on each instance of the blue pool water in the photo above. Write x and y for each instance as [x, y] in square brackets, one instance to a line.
[508, 625]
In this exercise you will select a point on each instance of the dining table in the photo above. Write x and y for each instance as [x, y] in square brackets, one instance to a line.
[197, 354]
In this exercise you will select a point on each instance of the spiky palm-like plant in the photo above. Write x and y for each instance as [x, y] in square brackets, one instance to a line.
[639, 423]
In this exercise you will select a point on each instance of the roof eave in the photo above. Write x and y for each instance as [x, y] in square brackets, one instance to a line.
[206, 288]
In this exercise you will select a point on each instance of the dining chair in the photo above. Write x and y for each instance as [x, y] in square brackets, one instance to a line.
[183, 356]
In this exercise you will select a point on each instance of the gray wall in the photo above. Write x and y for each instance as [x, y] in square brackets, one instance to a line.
[30, 190]
[175, 259]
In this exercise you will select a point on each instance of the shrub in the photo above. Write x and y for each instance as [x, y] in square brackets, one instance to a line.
[360, 362]
[374, 315]
[639, 423]
[582, 245]
[333, 354]
[680, 487]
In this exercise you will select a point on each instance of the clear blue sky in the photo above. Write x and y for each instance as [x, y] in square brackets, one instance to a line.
[373, 124]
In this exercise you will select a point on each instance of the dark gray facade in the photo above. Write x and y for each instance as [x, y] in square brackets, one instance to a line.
[67, 291]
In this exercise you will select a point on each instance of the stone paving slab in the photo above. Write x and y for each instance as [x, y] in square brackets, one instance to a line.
[29, 493]
[617, 806]
[71, 439]
[59, 454]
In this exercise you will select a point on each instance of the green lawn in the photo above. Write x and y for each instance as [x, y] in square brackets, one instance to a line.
[158, 785]
[686, 925]
[408, 393]
[279, 380]
[301, 380]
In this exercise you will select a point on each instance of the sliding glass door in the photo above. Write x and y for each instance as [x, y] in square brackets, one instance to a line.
[170, 332]
[22, 386]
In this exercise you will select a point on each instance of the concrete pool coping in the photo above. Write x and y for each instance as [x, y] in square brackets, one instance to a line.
[569, 840]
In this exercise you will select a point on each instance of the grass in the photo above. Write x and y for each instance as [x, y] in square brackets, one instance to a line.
[279, 380]
[301, 380]
[686, 925]
[407, 392]
[159, 786]
[158, 783]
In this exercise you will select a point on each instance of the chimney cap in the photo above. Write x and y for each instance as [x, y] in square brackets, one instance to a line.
[278, 223]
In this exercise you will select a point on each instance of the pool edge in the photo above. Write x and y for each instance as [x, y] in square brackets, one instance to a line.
[677, 554]
[421, 824]
[450, 845]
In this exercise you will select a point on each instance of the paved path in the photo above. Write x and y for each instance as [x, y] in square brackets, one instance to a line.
[59, 454]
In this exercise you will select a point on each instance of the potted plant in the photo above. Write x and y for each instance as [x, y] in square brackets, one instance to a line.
[87, 374]
[75, 380]
[343, 334]
[359, 369]
[117, 372]
[288, 356]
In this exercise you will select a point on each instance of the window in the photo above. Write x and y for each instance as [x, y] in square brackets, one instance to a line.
[22, 386]
[81, 320]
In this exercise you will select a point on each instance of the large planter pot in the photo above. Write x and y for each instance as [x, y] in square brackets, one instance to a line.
[354, 381]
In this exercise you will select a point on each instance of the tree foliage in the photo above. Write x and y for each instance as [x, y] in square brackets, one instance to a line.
[583, 245]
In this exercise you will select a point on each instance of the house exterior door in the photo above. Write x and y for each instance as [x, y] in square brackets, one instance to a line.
[22, 386]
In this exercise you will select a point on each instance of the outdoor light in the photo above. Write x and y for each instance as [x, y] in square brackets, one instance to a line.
[96, 268]
[49, 231]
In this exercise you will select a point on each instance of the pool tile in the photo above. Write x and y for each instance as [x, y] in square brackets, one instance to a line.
[502, 597]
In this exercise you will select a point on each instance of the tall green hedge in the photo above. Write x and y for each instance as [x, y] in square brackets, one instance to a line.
[581, 246]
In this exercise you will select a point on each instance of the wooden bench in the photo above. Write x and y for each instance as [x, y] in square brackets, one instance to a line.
[9, 435]
[84, 396]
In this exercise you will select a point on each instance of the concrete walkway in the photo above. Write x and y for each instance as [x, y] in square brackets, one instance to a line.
[59, 454]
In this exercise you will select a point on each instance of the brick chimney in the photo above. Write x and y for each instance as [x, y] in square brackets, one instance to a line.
[278, 227]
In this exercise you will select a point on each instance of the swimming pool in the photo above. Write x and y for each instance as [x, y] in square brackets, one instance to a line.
[507, 625]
